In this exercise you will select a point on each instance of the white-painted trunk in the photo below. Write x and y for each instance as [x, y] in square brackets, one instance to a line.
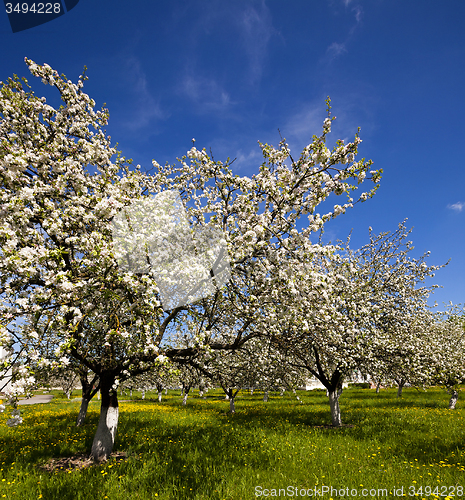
[335, 410]
[130, 393]
[232, 408]
[377, 387]
[265, 396]
[82, 412]
[160, 394]
[166, 392]
[453, 400]
[282, 392]
[143, 393]
[297, 397]
[251, 391]
[105, 436]
[226, 397]
[184, 399]
[200, 393]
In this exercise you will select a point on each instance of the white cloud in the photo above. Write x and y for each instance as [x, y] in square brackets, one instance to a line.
[358, 13]
[205, 92]
[146, 107]
[250, 160]
[458, 207]
[301, 126]
[336, 49]
[256, 30]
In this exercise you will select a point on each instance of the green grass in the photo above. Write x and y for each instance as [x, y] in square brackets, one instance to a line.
[201, 452]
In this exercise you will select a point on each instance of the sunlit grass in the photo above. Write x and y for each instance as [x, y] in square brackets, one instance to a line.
[202, 452]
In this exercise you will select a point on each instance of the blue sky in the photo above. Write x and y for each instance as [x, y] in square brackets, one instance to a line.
[231, 73]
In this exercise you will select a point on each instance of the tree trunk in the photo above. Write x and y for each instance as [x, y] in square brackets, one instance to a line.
[295, 394]
[160, 394]
[251, 391]
[334, 405]
[89, 390]
[377, 387]
[232, 408]
[265, 397]
[82, 412]
[453, 400]
[130, 393]
[186, 394]
[399, 389]
[166, 392]
[143, 393]
[105, 436]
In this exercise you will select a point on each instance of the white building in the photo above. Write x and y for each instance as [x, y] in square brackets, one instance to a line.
[316, 384]
[311, 384]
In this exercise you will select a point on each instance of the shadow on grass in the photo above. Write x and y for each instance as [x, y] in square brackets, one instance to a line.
[185, 447]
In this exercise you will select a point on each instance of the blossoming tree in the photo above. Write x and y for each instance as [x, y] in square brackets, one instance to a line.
[341, 310]
[63, 185]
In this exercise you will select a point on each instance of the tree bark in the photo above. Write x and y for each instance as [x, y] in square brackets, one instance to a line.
[453, 399]
[399, 389]
[105, 435]
[265, 397]
[89, 390]
[186, 394]
[160, 394]
[143, 393]
[335, 409]
[232, 408]
[82, 412]
[377, 387]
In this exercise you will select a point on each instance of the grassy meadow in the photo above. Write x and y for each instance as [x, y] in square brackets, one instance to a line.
[279, 448]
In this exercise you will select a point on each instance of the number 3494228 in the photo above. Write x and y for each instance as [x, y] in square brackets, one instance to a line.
[39, 8]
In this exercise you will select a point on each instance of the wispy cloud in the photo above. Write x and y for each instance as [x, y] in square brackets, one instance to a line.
[458, 207]
[358, 13]
[336, 49]
[146, 106]
[205, 92]
[301, 126]
[251, 160]
[353, 107]
[256, 30]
